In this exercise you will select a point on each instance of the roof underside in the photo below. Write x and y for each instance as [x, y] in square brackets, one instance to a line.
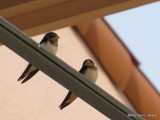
[39, 16]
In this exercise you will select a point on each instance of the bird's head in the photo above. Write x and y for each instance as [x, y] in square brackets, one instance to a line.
[88, 62]
[52, 37]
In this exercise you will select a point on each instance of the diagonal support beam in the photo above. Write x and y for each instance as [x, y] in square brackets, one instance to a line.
[65, 75]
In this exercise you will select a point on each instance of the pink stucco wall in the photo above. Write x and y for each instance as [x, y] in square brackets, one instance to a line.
[39, 98]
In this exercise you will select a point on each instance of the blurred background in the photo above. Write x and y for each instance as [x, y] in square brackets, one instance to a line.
[120, 36]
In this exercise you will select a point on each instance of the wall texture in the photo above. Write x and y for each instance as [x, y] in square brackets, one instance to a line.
[39, 98]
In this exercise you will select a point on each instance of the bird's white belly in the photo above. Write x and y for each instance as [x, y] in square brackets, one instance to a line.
[52, 48]
[91, 75]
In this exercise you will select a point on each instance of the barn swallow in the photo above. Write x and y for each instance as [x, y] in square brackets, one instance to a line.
[49, 41]
[90, 71]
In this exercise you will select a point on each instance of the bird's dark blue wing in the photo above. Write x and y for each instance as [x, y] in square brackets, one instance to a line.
[25, 71]
[83, 69]
[64, 103]
[31, 74]
[44, 40]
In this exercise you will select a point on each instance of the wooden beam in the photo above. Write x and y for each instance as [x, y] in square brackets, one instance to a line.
[9, 3]
[47, 15]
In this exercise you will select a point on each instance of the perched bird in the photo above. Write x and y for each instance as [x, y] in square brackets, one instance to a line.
[89, 70]
[49, 41]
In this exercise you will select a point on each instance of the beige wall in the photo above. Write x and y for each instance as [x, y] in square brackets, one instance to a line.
[39, 98]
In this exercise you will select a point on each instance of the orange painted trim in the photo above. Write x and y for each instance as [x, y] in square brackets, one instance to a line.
[121, 66]
[134, 60]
